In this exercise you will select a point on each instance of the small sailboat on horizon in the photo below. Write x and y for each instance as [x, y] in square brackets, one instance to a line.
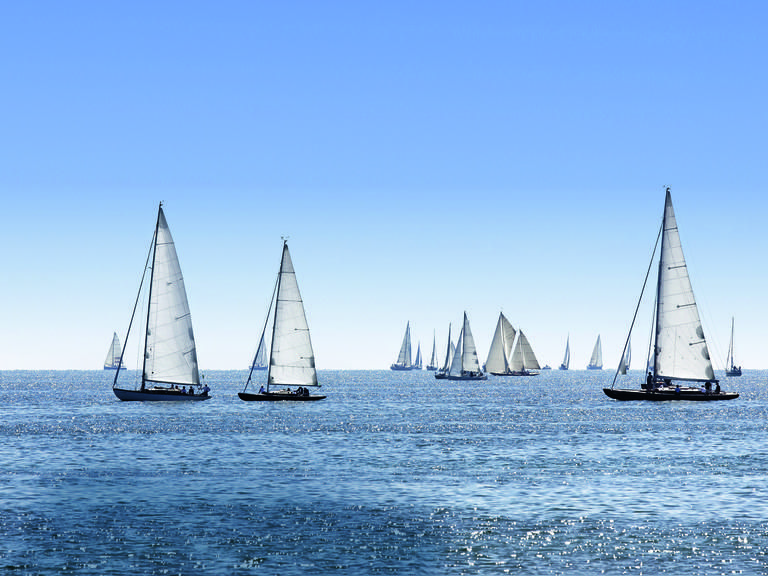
[450, 350]
[567, 359]
[730, 366]
[510, 353]
[170, 355]
[291, 357]
[404, 356]
[679, 348]
[112, 362]
[465, 364]
[432, 366]
[596, 360]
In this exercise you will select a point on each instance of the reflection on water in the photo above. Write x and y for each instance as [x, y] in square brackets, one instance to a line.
[394, 473]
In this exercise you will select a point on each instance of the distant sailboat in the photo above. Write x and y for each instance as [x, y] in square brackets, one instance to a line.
[730, 367]
[404, 357]
[170, 355]
[626, 359]
[449, 352]
[523, 359]
[679, 348]
[510, 357]
[259, 361]
[465, 364]
[596, 361]
[417, 364]
[291, 357]
[567, 358]
[432, 366]
[112, 361]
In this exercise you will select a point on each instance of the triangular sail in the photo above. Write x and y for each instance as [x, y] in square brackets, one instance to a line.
[625, 360]
[597, 355]
[292, 360]
[170, 355]
[404, 356]
[567, 359]
[730, 363]
[501, 346]
[529, 358]
[115, 350]
[456, 366]
[681, 349]
[433, 359]
[417, 363]
[465, 359]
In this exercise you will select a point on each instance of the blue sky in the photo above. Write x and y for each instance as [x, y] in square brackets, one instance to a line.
[424, 159]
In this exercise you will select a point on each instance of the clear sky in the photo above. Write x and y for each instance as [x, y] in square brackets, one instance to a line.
[425, 158]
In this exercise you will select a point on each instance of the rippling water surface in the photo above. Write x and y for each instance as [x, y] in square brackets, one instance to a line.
[394, 473]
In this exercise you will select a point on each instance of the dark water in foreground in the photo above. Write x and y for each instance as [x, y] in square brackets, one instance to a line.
[395, 473]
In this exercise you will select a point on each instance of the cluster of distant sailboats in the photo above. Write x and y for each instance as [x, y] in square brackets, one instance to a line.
[679, 368]
[511, 354]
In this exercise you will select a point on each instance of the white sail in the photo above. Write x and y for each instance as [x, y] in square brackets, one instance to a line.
[465, 359]
[501, 347]
[523, 358]
[681, 349]
[404, 356]
[529, 358]
[292, 360]
[730, 363]
[433, 360]
[417, 363]
[113, 356]
[170, 355]
[625, 360]
[567, 359]
[596, 360]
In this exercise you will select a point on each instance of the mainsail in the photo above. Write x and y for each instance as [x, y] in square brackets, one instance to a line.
[292, 360]
[681, 349]
[170, 355]
[113, 356]
[501, 347]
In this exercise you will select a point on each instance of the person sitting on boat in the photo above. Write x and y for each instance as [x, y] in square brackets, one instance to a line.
[708, 387]
[677, 389]
[205, 390]
[191, 391]
[262, 391]
[717, 388]
[649, 382]
[183, 389]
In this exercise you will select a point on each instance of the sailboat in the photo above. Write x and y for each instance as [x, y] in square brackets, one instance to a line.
[259, 361]
[567, 358]
[497, 362]
[523, 359]
[730, 367]
[417, 363]
[465, 365]
[449, 352]
[291, 358]
[112, 362]
[170, 356]
[404, 357]
[596, 361]
[626, 359]
[432, 366]
[679, 348]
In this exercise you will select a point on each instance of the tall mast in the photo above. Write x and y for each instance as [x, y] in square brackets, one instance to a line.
[658, 289]
[274, 320]
[149, 300]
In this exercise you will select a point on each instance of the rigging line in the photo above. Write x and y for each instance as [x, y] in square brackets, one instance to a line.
[263, 330]
[642, 291]
[135, 304]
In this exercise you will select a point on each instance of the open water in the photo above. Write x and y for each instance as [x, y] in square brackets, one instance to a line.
[395, 473]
